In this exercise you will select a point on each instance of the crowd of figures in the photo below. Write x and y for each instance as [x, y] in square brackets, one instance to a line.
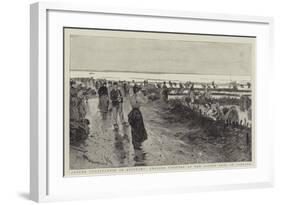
[79, 125]
[198, 97]
[110, 96]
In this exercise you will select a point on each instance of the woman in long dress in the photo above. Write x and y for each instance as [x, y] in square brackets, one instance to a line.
[139, 134]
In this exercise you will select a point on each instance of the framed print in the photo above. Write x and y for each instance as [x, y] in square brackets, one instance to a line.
[125, 98]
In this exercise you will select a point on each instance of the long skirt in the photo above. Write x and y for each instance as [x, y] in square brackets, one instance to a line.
[139, 134]
[103, 104]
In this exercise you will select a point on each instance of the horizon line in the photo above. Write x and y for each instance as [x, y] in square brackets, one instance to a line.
[123, 71]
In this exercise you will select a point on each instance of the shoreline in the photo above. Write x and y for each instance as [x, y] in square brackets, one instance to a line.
[222, 80]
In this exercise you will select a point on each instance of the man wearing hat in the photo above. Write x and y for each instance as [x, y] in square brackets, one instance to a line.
[117, 106]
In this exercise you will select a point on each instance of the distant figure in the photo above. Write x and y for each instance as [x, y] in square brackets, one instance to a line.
[232, 116]
[139, 134]
[97, 85]
[74, 111]
[158, 85]
[125, 88]
[117, 105]
[208, 93]
[103, 99]
[170, 84]
[214, 85]
[249, 85]
[192, 94]
[110, 87]
[82, 108]
[187, 84]
[92, 82]
[165, 92]
[73, 90]
[181, 88]
[81, 104]
[245, 103]
[181, 85]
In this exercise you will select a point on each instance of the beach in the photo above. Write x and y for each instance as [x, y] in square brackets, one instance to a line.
[172, 140]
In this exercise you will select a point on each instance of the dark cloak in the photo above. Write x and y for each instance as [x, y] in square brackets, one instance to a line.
[139, 134]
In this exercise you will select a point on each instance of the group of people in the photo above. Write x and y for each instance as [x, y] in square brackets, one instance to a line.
[238, 113]
[111, 100]
[111, 96]
[79, 124]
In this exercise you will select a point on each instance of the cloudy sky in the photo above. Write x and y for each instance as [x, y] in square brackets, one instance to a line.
[97, 53]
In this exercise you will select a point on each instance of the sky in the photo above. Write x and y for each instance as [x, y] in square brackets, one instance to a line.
[100, 53]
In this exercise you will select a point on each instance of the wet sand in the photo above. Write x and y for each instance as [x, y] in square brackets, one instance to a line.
[170, 141]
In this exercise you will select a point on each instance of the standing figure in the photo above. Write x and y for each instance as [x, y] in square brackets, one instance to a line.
[82, 108]
[165, 92]
[208, 94]
[97, 85]
[125, 88]
[135, 118]
[192, 94]
[81, 103]
[117, 105]
[110, 87]
[103, 100]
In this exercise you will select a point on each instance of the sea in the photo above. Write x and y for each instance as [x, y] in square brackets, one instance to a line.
[160, 77]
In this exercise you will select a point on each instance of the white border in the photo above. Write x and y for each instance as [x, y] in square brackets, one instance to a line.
[40, 185]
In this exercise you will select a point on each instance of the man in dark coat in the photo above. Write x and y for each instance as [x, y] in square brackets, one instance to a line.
[103, 90]
[103, 99]
[117, 105]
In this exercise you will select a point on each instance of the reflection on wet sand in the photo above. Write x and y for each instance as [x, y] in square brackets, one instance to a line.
[140, 157]
[121, 151]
